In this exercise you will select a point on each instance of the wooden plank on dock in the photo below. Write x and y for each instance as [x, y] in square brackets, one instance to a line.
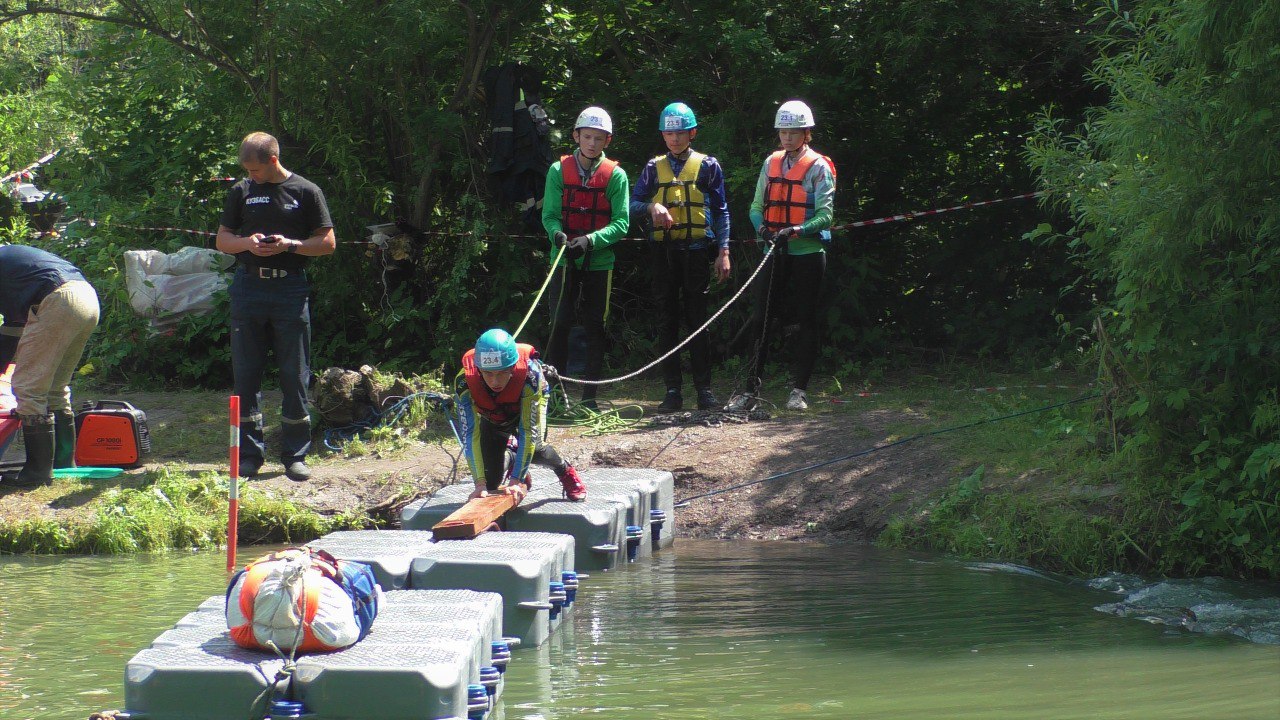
[474, 517]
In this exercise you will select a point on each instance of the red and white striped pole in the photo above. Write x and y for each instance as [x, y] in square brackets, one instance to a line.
[233, 513]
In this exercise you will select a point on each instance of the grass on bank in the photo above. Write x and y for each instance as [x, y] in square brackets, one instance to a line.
[166, 508]
[1043, 489]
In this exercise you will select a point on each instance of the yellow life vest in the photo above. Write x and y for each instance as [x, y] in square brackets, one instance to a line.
[682, 198]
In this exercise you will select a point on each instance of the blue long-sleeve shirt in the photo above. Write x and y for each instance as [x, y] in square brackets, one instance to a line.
[710, 181]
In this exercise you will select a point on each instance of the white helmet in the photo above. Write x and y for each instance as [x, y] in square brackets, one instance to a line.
[594, 117]
[793, 114]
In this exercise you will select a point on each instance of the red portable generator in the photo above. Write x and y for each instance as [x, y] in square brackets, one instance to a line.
[111, 433]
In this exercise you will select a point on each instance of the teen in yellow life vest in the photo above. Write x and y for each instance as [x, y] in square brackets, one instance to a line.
[682, 194]
[682, 198]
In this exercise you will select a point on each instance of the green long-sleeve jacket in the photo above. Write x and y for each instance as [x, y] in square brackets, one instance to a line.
[617, 191]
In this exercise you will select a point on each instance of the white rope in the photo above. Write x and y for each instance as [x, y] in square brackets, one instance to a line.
[687, 340]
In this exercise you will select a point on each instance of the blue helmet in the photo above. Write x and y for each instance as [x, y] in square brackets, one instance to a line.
[496, 350]
[677, 116]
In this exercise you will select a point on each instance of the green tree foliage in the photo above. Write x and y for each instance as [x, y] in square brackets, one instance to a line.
[1173, 185]
[921, 103]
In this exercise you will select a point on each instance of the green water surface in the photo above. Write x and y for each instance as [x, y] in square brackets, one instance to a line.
[713, 630]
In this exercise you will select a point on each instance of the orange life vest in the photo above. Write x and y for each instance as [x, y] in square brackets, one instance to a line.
[501, 407]
[785, 200]
[585, 208]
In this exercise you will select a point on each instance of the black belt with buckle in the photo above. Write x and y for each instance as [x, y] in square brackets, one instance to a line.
[266, 273]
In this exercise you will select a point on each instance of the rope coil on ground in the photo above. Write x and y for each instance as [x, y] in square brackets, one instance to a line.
[334, 438]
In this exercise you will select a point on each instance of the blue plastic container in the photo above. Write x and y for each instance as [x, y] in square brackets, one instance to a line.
[489, 678]
[657, 519]
[558, 598]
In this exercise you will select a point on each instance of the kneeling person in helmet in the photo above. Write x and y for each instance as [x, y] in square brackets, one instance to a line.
[502, 393]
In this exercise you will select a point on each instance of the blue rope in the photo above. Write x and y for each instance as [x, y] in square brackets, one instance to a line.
[335, 438]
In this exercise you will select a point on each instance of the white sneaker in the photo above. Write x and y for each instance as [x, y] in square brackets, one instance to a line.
[741, 402]
[799, 400]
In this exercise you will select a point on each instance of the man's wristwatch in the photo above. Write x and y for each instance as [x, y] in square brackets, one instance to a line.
[293, 246]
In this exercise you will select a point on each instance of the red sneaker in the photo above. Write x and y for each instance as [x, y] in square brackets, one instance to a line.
[572, 484]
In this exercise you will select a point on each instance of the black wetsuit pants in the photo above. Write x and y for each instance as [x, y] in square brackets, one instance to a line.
[591, 288]
[797, 279]
[493, 446]
[680, 278]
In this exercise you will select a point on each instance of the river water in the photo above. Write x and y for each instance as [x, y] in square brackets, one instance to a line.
[713, 629]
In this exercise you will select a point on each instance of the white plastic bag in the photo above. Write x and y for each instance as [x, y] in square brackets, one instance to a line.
[165, 287]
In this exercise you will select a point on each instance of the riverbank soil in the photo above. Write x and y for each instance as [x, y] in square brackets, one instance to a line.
[848, 500]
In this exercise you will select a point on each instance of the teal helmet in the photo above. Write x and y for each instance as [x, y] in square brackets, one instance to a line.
[677, 116]
[496, 350]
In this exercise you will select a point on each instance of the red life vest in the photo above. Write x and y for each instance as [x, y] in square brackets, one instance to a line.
[503, 406]
[785, 199]
[585, 208]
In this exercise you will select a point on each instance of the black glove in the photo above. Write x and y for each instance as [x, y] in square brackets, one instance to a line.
[578, 247]
[787, 232]
[766, 235]
[561, 238]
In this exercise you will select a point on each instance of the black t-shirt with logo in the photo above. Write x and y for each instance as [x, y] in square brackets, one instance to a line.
[295, 208]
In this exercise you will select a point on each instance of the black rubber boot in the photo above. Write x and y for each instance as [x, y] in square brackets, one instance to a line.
[37, 434]
[64, 439]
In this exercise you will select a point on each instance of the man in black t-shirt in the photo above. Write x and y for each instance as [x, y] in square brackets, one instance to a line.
[274, 221]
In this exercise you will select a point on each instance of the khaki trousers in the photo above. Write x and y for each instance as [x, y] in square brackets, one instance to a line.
[49, 351]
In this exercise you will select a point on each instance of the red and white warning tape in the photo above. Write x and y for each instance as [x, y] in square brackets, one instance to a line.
[938, 211]
[518, 236]
[206, 233]
[26, 171]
